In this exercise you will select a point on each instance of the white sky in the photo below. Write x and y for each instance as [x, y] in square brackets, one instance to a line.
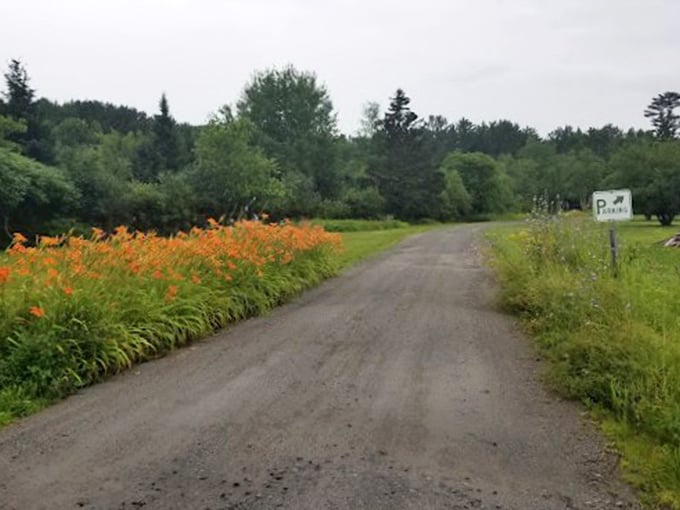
[542, 63]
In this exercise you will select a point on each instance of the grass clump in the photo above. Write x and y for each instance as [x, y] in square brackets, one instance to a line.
[73, 310]
[613, 343]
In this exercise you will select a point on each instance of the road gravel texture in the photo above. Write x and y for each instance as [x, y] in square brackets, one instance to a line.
[398, 385]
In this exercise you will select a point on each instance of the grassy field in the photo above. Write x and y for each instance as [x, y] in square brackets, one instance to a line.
[74, 310]
[613, 343]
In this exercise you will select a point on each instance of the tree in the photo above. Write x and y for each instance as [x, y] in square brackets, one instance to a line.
[19, 94]
[499, 137]
[370, 120]
[295, 124]
[230, 171]
[9, 127]
[20, 106]
[465, 135]
[652, 172]
[165, 138]
[404, 173]
[662, 112]
[583, 172]
[32, 194]
[456, 201]
[488, 186]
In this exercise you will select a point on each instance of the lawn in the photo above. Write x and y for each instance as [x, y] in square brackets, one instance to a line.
[362, 244]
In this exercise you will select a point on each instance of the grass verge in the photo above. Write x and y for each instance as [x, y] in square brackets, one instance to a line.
[613, 343]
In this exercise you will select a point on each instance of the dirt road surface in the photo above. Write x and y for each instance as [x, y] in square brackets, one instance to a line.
[398, 385]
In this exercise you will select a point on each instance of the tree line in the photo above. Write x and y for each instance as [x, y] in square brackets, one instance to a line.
[278, 149]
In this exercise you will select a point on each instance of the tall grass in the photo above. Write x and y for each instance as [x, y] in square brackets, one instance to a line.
[613, 343]
[73, 310]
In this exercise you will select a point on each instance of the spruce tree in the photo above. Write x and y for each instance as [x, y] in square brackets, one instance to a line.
[19, 94]
[165, 138]
[405, 175]
[662, 112]
[20, 106]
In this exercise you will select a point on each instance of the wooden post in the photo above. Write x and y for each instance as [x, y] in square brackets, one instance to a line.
[614, 248]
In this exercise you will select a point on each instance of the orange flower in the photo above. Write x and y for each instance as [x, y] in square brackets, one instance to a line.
[171, 292]
[49, 241]
[4, 274]
[195, 279]
[68, 291]
[97, 233]
[36, 311]
[18, 238]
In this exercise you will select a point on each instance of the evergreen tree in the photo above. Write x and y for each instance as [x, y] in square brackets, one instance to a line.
[165, 138]
[19, 94]
[662, 112]
[20, 106]
[405, 174]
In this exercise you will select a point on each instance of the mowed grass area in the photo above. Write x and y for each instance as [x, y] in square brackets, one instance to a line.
[74, 310]
[359, 225]
[613, 343]
[362, 244]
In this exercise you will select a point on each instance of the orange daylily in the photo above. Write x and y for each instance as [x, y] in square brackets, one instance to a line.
[36, 311]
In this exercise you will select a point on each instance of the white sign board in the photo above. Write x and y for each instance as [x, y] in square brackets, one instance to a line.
[613, 205]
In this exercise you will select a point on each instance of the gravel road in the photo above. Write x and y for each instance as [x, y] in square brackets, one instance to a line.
[398, 385]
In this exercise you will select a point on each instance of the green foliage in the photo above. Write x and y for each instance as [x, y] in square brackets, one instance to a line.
[20, 107]
[652, 171]
[230, 171]
[9, 127]
[31, 193]
[295, 124]
[486, 183]
[612, 343]
[19, 94]
[403, 171]
[281, 153]
[456, 201]
[662, 112]
[166, 141]
[366, 202]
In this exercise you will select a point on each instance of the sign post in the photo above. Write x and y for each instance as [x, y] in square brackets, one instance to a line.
[612, 206]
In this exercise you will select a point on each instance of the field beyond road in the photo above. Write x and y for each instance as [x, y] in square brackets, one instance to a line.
[397, 385]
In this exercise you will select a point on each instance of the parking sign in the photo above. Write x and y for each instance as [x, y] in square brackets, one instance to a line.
[613, 205]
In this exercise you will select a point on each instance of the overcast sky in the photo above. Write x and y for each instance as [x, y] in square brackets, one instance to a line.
[541, 63]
